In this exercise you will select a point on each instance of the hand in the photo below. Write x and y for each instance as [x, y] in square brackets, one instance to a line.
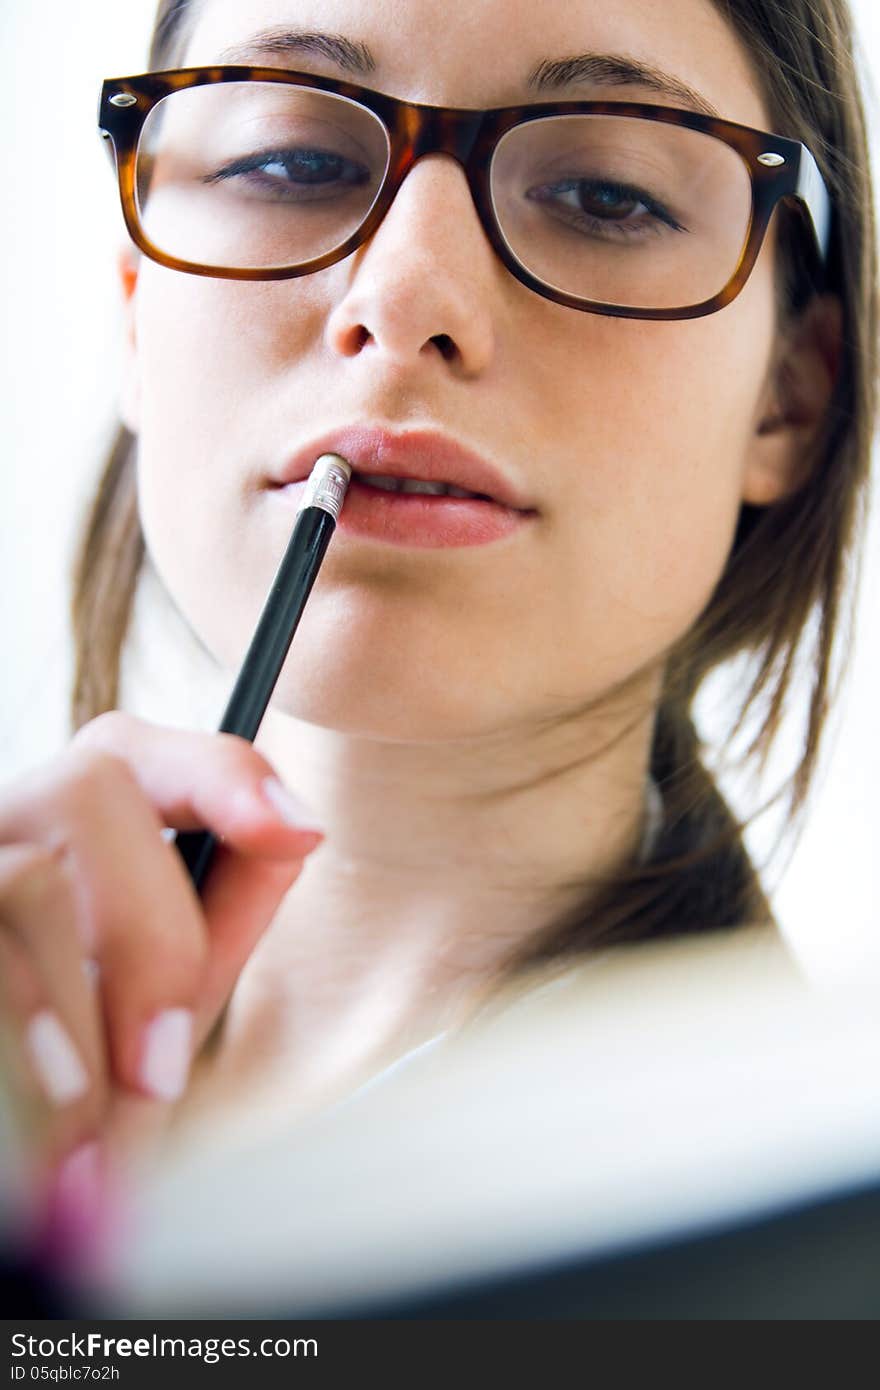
[113, 971]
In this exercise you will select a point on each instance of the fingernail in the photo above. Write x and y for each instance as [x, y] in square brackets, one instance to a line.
[289, 807]
[78, 1179]
[80, 1216]
[167, 1054]
[55, 1058]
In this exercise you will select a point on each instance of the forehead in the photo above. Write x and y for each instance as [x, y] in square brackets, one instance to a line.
[463, 54]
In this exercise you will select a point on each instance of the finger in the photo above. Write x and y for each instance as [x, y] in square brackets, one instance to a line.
[54, 1030]
[39, 905]
[220, 782]
[137, 909]
[196, 951]
[241, 898]
[21, 998]
[214, 781]
[134, 907]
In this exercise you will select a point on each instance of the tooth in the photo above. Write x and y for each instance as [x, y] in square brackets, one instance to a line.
[416, 485]
[378, 480]
[386, 483]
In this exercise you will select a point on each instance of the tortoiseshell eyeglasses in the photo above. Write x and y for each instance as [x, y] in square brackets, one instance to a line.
[632, 210]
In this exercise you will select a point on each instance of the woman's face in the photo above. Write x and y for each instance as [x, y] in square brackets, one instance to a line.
[635, 442]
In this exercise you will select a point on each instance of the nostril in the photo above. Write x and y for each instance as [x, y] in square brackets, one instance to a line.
[445, 345]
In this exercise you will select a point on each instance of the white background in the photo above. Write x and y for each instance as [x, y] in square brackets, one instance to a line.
[58, 234]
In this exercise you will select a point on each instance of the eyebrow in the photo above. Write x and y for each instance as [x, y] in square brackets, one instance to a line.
[351, 57]
[614, 70]
[550, 75]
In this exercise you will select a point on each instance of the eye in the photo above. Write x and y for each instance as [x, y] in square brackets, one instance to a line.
[295, 173]
[608, 200]
[606, 207]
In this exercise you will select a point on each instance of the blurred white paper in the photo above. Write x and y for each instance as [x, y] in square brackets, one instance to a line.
[657, 1091]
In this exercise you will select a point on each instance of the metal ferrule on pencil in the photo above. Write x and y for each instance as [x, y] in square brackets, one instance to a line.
[326, 485]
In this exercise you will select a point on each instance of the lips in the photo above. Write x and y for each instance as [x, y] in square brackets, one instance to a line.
[381, 505]
[423, 455]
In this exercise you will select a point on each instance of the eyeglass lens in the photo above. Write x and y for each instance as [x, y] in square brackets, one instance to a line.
[618, 210]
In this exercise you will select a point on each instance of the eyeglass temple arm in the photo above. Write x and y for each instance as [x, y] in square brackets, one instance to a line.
[811, 187]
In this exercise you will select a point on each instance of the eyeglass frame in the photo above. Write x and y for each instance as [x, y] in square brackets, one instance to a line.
[778, 167]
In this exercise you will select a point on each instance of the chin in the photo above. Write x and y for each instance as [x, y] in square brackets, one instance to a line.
[350, 699]
[363, 667]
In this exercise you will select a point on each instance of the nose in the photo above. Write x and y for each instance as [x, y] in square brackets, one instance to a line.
[422, 286]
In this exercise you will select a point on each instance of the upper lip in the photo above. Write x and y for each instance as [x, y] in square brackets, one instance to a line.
[424, 454]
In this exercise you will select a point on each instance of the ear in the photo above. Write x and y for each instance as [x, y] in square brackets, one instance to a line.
[127, 265]
[796, 395]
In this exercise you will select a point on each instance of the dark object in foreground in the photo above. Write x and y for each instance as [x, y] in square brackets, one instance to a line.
[820, 1261]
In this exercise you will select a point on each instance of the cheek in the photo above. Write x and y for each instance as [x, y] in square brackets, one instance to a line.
[668, 415]
[209, 350]
[219, 390]
[194, 366]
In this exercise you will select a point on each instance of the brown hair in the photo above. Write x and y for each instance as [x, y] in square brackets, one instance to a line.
[784, 590]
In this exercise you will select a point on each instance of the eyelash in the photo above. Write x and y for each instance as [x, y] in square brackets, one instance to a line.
[257, 163]
[625, 193]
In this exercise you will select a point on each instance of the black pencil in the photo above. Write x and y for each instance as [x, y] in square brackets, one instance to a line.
[315, 524]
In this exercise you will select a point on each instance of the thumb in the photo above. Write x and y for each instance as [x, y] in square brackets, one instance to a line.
[241, 897]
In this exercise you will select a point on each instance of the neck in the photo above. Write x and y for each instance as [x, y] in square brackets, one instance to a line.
[515, 814]
[442, 861]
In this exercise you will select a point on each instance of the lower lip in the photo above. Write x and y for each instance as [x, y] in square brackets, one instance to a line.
[417, 519]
